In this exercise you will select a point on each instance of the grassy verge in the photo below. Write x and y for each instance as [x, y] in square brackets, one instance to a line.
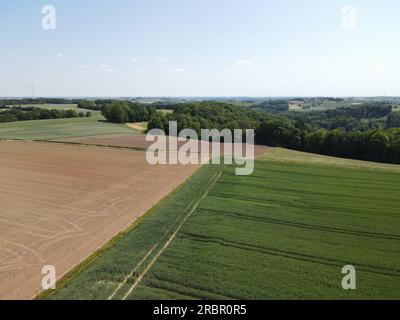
[292, 156]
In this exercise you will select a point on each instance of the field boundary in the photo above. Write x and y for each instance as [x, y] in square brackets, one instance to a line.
[68, 276]
[77, 144]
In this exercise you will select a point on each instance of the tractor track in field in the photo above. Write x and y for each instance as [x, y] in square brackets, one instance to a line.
[386, 271]
[148, 254]
[298, 204]
[194, 206]
[359, 233]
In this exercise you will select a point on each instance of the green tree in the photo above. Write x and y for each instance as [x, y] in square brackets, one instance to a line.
[314, 141]
[378, 145]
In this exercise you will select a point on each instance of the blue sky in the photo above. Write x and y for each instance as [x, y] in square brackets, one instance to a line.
[200, 48]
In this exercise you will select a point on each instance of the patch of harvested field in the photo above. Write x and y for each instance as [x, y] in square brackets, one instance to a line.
[139, 126]
[138, 141]
[60, 203]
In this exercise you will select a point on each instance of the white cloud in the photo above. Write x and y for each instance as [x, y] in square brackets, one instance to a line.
[229, 70]
[162, 60]
[297, 71]
[63, 56]
[106, 68]
[181, 72]
[102, 67]
[86, 66]
[378, 65]
[130, 60]
[244, 61]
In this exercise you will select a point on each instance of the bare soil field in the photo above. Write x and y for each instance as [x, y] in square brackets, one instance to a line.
[137, 141]
[139, 126]
[60, 203]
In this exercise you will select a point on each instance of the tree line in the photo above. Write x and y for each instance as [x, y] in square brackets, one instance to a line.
[33, 113]
[372, 145]
[25, 101]
[278, 131]
[382, 145]
[126, 111]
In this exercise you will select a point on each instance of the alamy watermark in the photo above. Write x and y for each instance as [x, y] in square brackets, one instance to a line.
[349, 280]
[349, 20]
[186, 147]
[49, 17]
[50, 277]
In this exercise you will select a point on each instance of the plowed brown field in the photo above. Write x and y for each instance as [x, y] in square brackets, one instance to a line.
[59, 203]
[139, 141]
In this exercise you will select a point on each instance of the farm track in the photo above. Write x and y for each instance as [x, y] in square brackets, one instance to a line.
[193, 292]
[193, 209]
[298, 204]
[295, 191]
[143, 260]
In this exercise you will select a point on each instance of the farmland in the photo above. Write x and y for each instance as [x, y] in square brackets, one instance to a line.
[60, 203]
[58, 107]
[60, 128]
[139, 142]
[283, 233]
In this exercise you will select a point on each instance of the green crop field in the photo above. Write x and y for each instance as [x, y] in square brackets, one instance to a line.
[60, 128]
[283, 233]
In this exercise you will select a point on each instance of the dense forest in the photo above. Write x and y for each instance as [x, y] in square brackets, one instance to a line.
[371, 115]
[374, 145]
[125, 111]
[278, 131]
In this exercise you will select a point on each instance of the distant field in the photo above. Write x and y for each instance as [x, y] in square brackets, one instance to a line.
[283, 233]
[165, 111]
[60, 107]
[330, 105]
[139, 126]
[61, 128]
[139, 142]
[396, 109]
